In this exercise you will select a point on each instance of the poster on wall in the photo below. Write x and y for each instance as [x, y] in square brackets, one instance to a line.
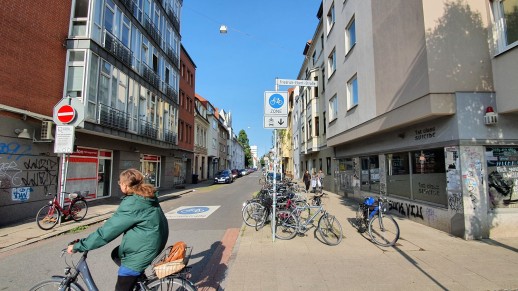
[502, 170]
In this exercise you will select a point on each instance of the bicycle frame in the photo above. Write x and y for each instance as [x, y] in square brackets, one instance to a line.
[303, 225]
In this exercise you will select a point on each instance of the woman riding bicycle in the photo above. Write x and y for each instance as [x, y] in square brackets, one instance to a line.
[143, 223]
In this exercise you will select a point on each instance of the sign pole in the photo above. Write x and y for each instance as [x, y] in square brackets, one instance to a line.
[62, 186]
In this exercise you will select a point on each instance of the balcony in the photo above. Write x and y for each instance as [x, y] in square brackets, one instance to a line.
[152, 30]
[129, 4]
[119, 50]
[150, 76]
[170, 136]
[171, 93]
[170, 53]
[147, 129]
[113, 118]
[174, 19]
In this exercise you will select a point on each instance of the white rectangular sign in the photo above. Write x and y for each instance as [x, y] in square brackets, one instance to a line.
[275, 121]
[303, 83]
[64, 143]
[275, 103]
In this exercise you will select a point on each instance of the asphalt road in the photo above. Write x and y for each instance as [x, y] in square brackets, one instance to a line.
[26, 266]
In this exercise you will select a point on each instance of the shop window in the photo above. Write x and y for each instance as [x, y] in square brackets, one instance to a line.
[429, 176]
[398, 174]
[370, 174]
[502, 169]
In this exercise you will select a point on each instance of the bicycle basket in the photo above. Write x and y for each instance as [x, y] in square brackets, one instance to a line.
[163, 268]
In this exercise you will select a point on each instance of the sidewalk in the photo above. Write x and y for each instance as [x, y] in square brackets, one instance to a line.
[424, 259]
[22, 234]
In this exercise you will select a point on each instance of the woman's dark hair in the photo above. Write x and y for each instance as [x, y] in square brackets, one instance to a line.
[134, 179]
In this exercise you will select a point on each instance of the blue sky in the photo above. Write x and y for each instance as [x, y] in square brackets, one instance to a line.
[265, 41]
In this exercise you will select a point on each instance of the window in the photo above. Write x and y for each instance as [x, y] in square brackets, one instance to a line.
[352, 93]
[330, 18]
[317, 126]
[328, 165]
[331, 63]
[505, 14]
[75, 73]
[310, 127]
[315, 89]
[370, 174]
[80, 18]
[324, 116]
[333, 108]
[350, 36]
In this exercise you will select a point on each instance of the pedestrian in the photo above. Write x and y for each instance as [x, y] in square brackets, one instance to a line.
[321, 177]
[314, 181]
[141, 221]
[306, 179]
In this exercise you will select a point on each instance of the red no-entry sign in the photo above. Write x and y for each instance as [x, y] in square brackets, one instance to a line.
[66, 114]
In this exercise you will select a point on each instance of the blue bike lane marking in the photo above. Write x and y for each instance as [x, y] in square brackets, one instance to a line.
[191, 212]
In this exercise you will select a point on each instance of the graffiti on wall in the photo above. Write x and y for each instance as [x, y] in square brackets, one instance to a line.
[472, 175]
[455, 202]
[21, 172]
[407, 209]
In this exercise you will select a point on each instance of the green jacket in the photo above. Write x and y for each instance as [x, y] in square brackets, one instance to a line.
[145, 231]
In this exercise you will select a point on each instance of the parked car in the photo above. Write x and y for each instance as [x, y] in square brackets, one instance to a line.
[224, 176]
[235, 173]
[243, 172]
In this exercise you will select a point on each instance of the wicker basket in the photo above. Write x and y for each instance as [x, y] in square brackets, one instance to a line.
[167, 269]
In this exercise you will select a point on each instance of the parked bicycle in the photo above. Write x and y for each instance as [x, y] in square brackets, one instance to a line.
[48, 216]
[289, 223]
[176, 281]
[372, 216]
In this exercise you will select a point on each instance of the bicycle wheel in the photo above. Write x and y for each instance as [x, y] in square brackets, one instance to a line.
[260, 223]
[252, 213]
[360, 222]
[78, 210]
[303, 213]
[384, 231]
[170, 283]
[54, 284]
[330, 229]
[47, 217]
[286, 225]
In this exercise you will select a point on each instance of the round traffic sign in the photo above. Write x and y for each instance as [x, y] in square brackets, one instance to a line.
[276, 101]
[66, 114]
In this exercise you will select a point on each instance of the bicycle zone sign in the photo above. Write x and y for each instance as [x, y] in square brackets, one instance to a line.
[275, 109]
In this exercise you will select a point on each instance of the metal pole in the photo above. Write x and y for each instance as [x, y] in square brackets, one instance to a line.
[62, 186]
[274, 182]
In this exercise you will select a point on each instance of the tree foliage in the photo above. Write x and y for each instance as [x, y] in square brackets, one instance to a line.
[242, 138]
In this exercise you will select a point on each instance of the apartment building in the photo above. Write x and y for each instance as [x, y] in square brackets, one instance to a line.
[186, 115]
[120, 60]
[201, 128]
[419, 106]
[311, 111]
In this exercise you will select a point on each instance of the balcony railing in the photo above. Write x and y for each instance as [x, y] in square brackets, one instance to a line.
[119, 50]
[170, 53]
[150, 76]
[171, 93]
[170, 136]
[148, 129]
[129, 4]
[113, 118]
[152, 30]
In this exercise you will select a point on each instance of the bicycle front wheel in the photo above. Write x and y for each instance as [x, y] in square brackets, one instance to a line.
[47, 217]
[55, 284]
[78, 210]
[170, 283]
[252, 213]
[330, 229]
[286, 225]
[384, 230]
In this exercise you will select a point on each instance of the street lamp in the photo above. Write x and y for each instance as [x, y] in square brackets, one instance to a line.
[223, 29]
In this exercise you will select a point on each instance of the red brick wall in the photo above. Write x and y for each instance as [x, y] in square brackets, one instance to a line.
[32, 55]
[186, 110]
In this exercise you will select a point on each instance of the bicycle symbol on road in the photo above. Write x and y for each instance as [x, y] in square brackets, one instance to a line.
[276, 101]
[193, 210]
